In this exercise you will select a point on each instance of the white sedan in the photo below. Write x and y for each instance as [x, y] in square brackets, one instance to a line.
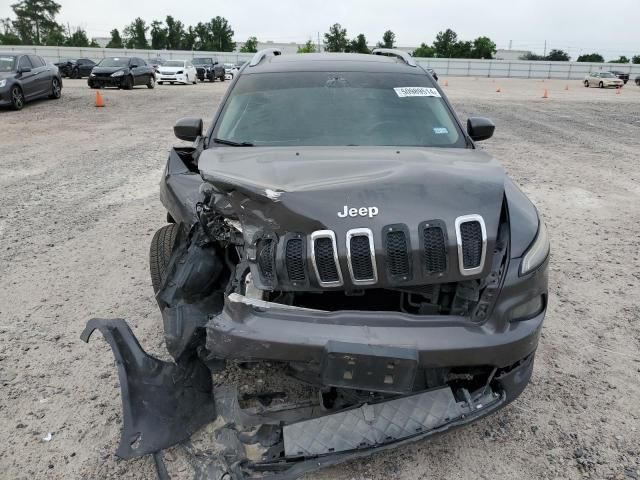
[602, 80]
[230, 71]
[177, 71]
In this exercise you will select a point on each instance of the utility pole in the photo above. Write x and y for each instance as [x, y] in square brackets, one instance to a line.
[545, 48]
[510, 44]
[318, 42]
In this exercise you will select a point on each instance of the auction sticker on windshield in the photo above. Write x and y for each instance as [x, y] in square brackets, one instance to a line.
[416, 92]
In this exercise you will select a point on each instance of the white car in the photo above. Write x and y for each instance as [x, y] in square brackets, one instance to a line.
[230, 70]
[602, 80]
[177, 71]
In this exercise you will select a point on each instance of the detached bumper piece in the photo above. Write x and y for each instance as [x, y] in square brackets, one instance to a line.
[165, 403]
[373, 425]
[162, 403]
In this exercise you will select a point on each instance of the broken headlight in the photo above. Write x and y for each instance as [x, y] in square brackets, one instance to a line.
[537, 252]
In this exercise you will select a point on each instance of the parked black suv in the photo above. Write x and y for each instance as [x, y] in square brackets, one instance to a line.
[122, 72]
[624, 76]
[338, 224]
[76, 68]
[208, 68]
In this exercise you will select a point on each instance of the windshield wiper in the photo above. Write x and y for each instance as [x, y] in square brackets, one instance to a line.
[232, 143]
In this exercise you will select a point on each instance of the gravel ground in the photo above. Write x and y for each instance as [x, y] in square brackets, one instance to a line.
[79, 204]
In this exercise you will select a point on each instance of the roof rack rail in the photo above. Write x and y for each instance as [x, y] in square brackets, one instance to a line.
[393, 52]
[257, 58]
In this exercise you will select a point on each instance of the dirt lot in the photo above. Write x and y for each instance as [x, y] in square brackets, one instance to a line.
[79, 204]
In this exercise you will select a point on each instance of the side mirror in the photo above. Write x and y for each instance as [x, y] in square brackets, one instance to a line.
[480, 128]
[215, 63]
[188, 128]
[25, 69]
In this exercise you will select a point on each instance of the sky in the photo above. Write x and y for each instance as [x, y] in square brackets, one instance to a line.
[576, 26]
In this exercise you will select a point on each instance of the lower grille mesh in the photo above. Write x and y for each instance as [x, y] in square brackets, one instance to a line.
[266, 259]
[435, 253]
[293, 260]
[397, 255]
[361, 258]
[325, 262]
[471, 237]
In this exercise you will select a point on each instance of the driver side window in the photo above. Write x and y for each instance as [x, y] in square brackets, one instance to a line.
[24, 62]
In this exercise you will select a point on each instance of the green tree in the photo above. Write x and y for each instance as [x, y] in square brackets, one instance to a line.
[388, 40]
[308, 47]
[591, 57]
[176, 36]
[424, 51]
[358, 45]
[445, 43]
[94, 44]
[483, 47]
[189, 39]
[77, 39]
[221, 35]
[622, 59]
[35, 22]
[202, 37]
[158, 35]
[635, 59]
[335, 40]
[136, 34]
[250, 46]
[556, 55]
[116, 40]
[8, 35]
[532, 56]
[462, 49]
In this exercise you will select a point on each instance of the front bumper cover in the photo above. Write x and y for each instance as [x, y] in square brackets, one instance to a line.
[164, 403]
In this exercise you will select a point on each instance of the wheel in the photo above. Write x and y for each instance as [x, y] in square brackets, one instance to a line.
[162, 245]
[56, 89]
[75, 73]
[17, 98]
[638, 82]
[152, 82]
[171, 83]
[586, 83]
[601, 85]
[222, 78]
[128, 83]
[170, 218]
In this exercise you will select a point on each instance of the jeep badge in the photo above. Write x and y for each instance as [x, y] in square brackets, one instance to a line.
[358, 212]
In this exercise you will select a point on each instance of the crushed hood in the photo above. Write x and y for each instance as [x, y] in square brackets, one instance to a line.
[304, 189]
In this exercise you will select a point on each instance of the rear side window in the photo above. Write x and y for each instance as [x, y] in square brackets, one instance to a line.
[36, 61]
[24, 62]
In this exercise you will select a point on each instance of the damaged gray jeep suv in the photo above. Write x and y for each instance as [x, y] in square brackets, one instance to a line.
[335, 223]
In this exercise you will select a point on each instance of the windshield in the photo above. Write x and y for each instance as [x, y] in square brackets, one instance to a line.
[114, 62]
[7, 63]
[607, 75]
[200, 61]
[173, 63]
[338, 109]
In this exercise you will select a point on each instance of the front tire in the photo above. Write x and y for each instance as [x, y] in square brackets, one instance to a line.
[222, 78]
[56, 89]
[152, 82]
[75, 73]
[601, 85]
[162, 245]
[17, 98]
[586, 83]
[128, 83]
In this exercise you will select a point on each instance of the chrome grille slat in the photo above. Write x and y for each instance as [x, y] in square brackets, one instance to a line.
[471, 236]
[324, 255]
[361, 256]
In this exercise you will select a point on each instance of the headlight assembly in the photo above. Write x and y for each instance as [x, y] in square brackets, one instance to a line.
[119, 73]
[3, 83]
[537, 252]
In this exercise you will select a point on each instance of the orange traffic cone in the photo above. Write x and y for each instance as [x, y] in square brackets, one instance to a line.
[446, 83]
[99, 99]
[498, 90]
[546, 93]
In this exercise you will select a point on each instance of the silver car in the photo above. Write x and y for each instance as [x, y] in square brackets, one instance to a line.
[602, 80]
